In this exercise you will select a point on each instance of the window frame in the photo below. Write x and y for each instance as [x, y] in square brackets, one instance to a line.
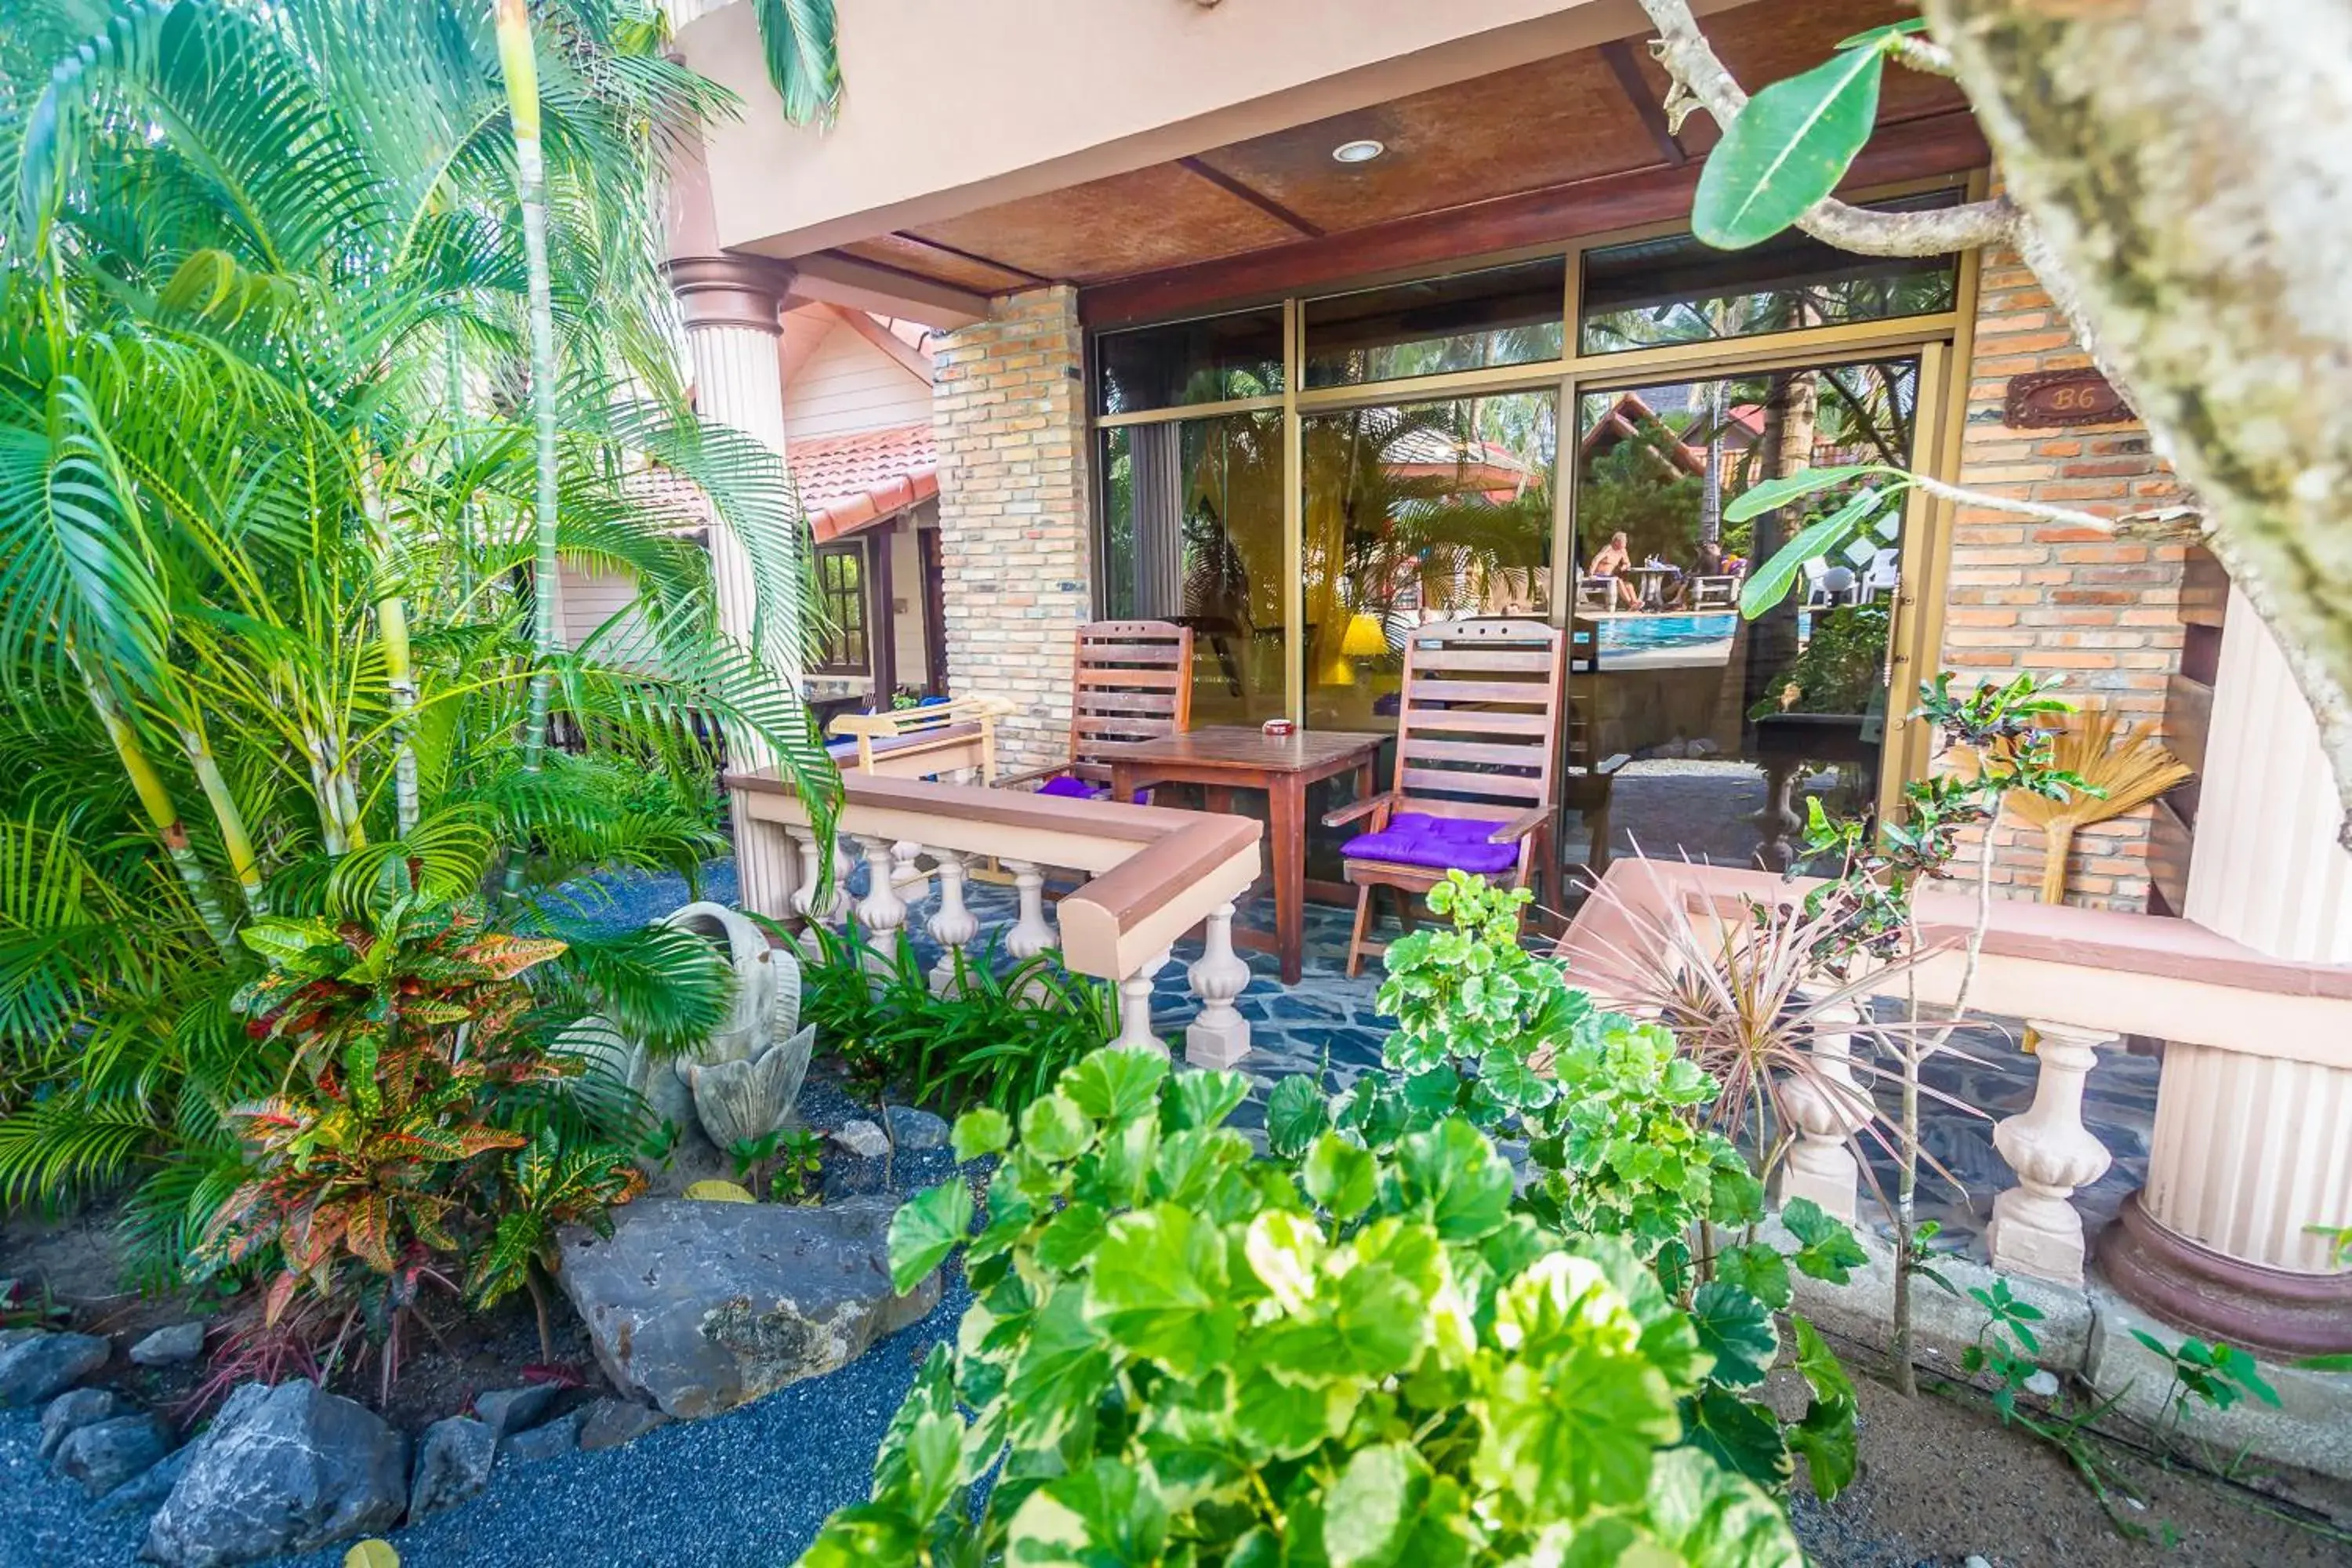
[828, 596]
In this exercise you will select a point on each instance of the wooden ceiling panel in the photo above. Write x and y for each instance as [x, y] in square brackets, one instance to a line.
[1760, 45]
[1544, 123]
[911, 254]
[1159, 216]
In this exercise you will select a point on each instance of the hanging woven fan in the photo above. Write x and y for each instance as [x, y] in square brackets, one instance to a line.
[2124, 763]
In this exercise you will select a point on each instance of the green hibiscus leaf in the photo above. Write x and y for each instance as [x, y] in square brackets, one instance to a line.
[866, 1535]
[981, 1132]
[1737, 1328]
[1370, 1512]
[1159, 1288]
[1741, 1435]
[925, 1228]
[1710, 1517]
[1109, 1515]
[1375, 1109]
[1757, 1269]
[1829, 1440]
[1114, 1084]
[1295, 1112]
[1070, 1237]
[1826, 1247]
[1053, 1129]
[1060, 1371]
[1822, 1370]
[1277, 1419]
[1452, 1173]
[1116, 1170]
[1507, 1076]
[1193, 1164]
[1341, 1175]
[1203, 1099]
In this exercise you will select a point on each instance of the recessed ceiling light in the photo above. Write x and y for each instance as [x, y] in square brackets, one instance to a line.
[1363, 151]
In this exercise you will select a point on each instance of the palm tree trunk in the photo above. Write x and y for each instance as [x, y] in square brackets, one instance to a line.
[155, 798]
[399, 673]
[522, 72]
[237, 839]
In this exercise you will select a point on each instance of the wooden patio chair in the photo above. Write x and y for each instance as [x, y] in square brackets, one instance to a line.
[1133, 682]
[920, 741]
[1477, 743]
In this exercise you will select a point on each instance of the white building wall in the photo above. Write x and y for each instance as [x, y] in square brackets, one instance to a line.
[846, 384]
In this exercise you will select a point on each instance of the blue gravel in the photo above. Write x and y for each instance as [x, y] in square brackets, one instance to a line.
[750, 1487]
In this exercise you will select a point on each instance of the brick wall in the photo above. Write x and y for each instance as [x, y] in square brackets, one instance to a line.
[1008, 414]
[2104, 614]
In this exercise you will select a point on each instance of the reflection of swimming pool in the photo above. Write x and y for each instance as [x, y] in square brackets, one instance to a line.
[1647, 634]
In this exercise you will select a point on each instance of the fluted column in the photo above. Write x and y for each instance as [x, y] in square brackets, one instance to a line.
[1220, 1037]
[2248, 1153]
[1828, 1108]
[2035, 1230]
[731, 304]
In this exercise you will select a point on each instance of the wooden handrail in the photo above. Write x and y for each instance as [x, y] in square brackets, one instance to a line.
[1154, 873]
[2097, 968]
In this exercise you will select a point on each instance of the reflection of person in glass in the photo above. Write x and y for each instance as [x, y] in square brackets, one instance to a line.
[1611, 563]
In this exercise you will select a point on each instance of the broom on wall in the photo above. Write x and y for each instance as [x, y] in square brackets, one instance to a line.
[2125, 767]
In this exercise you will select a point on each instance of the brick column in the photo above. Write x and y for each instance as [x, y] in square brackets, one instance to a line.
[1009, 415]
[2102, 613]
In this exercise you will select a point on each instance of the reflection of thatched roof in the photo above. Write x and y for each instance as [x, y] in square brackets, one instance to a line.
[1630, 416]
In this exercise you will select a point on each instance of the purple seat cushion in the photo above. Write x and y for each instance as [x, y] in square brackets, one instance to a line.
[1070, 787]
[1441, 842]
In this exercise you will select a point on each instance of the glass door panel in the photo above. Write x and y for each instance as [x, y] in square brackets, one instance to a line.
[1411, 513]
[1192, 526]
[1694, 731]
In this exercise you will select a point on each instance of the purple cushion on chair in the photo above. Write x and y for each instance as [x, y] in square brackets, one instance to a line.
[1070, 787]
[1441, 842]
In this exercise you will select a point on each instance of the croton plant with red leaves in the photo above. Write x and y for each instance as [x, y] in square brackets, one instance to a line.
[414, 1137]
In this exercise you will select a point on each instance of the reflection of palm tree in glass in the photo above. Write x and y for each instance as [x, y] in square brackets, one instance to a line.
[1408, 501]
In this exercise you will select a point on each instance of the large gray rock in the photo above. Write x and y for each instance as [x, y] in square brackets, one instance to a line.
[508, 1411]
[610, 1423]
[453, 1463]
[36, 1366]
[143, 1493]
[105, 1455]
[701, 1307]
[77, 1407]
[560, 1436]
[281, 1470]
[170, 1346]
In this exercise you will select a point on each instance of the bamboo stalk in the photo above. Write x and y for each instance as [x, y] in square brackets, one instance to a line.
[237, 839]
[155, 798]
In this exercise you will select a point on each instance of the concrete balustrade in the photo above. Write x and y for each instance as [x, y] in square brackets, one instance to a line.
[1149, 878]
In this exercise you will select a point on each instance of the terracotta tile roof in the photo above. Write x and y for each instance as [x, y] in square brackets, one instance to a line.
[847, 482]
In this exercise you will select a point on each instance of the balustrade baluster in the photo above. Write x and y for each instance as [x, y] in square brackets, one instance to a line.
[1828, 1110]
[2035, 1230]
[1134, 1008]
[1031, 933]
[881, 911]
[1220, 1037]
[952, 924]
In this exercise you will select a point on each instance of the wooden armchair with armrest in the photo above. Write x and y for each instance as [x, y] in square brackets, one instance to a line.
[1477, 742]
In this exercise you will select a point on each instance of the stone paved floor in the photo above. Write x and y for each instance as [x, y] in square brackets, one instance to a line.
[1329, 1024]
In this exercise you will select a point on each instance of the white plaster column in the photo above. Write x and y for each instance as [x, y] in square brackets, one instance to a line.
[731, 305]
[1828, 1109]
[1220, 1037]
[2035, 1230]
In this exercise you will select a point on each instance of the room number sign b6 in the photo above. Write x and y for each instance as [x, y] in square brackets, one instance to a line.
[2055, 397]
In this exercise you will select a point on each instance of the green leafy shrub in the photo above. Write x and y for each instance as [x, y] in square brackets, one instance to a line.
[992, 1038]
[1182, 1353]
[424, 1133]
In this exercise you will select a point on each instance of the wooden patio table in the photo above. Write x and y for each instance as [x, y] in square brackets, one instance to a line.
[1225, 758]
